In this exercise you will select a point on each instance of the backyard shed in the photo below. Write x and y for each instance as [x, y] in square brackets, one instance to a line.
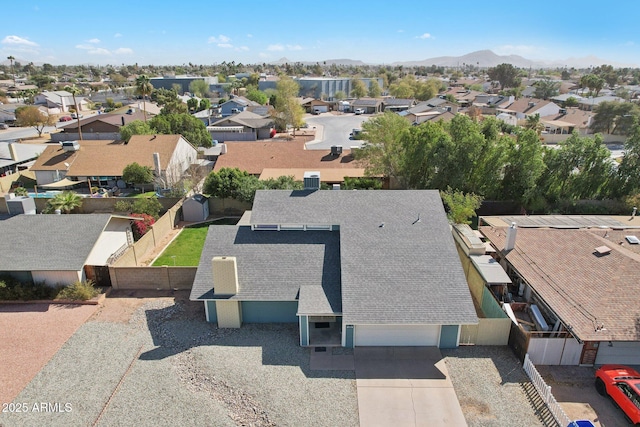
[196, 208]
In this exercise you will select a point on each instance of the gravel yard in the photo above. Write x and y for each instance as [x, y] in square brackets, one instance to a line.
[167, 367]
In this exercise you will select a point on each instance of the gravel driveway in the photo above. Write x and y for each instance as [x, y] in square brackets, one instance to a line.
[167, 367]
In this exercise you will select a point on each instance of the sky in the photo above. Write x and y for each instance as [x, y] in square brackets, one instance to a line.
[375, 32]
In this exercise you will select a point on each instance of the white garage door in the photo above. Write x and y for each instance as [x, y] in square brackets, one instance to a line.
[620, 352]
[397, 335]
[321, 108]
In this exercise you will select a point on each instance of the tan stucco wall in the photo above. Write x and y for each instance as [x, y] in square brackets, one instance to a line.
[229, 314]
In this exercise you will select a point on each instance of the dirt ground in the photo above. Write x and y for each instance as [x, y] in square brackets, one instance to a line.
[30, 335]
[121, 304]
[573, 387]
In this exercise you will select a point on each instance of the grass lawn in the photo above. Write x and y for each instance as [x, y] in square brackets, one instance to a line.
[146, 195]
[187, 247]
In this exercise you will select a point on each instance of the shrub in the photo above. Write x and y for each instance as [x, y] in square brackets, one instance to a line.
[122, 206]
[148, 205]
[14, 290]
[140, 228]
[79, 291]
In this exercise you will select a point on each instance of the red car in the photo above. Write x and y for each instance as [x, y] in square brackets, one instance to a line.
[622, 384]
[65, 119]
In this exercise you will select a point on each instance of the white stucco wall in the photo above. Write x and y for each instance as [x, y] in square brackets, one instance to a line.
[58, 277]
[47, 177]
[113, 237]
[183, 156]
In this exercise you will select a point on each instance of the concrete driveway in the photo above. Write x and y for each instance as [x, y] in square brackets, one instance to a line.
[335, 129]
[405, 386]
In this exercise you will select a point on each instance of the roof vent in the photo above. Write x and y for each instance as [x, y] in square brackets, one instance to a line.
[336, 150]
[563, 111]
[311, 180]
[603, 250]
[632, 239]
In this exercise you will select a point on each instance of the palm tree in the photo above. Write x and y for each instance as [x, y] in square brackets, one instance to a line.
[533, 123]
[65, 201]
[11, 58]
[74, 90]
[144, 88]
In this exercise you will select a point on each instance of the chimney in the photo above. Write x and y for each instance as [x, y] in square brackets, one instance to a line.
[12, 153]
[225, 275]
[511, 237]
[223, 148]
[156, 164]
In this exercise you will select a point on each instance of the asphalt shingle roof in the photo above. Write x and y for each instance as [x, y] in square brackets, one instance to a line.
[272, 265]
[398, 259]
[49, 242]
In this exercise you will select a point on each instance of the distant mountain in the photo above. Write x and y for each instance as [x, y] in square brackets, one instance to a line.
[482, 58]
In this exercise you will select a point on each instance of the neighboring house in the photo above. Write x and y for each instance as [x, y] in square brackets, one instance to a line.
[590, 103]
[60, 101]
[102, 162]
[369, 105]
[97, 126]
[525, 107]
[351, 268]
[7, 114]
[432, 109]
[489, 102]
[62, 249]
[582, 273]
[397, 104]
[507, 118]
[312, 105]
[464, 97]
[562, 98]
[288, 158]
[235, 105]
[244, 126]
[15, 156]
[567, 120]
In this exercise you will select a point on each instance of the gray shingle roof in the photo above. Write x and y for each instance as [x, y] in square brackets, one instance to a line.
[49, 242]
[272, 265]
[405, 271]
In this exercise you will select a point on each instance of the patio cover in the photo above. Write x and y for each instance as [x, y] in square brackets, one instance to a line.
[63, 183]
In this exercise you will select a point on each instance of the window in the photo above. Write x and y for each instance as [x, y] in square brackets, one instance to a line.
[266, 227]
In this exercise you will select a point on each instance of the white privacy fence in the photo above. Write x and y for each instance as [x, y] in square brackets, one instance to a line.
[545, 392]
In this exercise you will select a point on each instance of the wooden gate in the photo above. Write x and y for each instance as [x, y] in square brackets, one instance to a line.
[99, 274]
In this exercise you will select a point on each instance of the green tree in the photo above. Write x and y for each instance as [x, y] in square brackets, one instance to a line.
[358, 88]
[74, 90]
[144, 89]
[461, 207]
[193, 129]
[147, 205]
[505, 74]
[339, 95]
[192, 104]
[401, 89]
[205, 104]
[546, 88]
[136, 127]
[225, 183]
[533, 122]
[523, 166]
[65, 202]
[374, 89]
[137, 174]
[628, 174]
[32, 116]
[571, 102]
[288, 110]
[615, 117]
[199, 88]
[257, 96]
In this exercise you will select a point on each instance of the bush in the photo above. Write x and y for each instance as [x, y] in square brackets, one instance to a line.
[149, 206]
[79, 291]
[140, 228]
[122, 206]
[14, 290]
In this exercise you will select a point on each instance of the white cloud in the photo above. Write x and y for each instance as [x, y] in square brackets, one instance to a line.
[117, 35]
[294, 47]
[16, 40]
[95, 41]
[275, 47]
[98, 51]
[225, 45]
[123, 51]
[521, 49]
[242, 48]
[94, 50]
[220, 39]
[425, 36]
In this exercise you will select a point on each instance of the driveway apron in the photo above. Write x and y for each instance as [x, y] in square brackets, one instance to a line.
[405, 386]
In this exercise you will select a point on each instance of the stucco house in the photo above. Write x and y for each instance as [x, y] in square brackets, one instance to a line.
[98, 126]
[102, 162]
[525, 107]
[583, 275]
[351, 268]
[235, 105]
[243, 126]
[60, 101]
[62, 249]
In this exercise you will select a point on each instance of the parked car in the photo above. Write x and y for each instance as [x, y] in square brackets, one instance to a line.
[581, 423]
[622, 384]
[65, 119]
[75, 116]
[359, 111]
[4, 126]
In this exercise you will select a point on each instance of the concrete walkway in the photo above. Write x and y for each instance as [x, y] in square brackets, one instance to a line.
[405, 387]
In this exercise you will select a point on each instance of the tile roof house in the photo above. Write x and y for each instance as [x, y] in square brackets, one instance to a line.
[287, 158]
[369, 105]
[525, 107]
[352, 268]
[97, 126]
[16, 156]
[106, 160]
[567, 120]
[584, 275]
[61, 249]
